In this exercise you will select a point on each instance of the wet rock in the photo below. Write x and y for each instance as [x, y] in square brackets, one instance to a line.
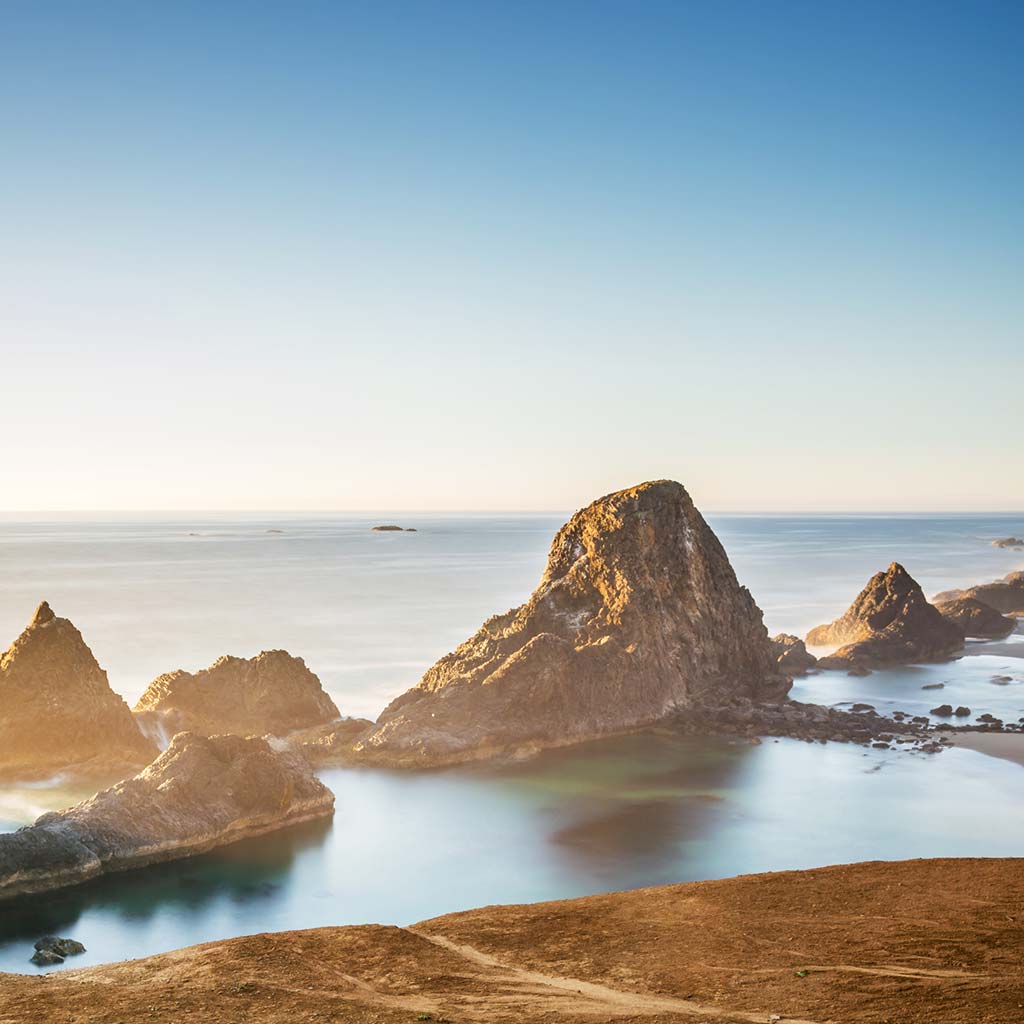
[1008, 542]
[976, 618]
[943, 710]
[889, 623]
[863, 707]
[46, 958]
[62, 947]
[1002, 680]
[962, 712]
[933, 686]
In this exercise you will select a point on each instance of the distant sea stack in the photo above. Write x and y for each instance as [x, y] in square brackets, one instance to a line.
[638, 615]
[890, 623]
[199, 794]
[976, 618]
[391, 528]
[1005, 595]
[57, 710]
[272, 693]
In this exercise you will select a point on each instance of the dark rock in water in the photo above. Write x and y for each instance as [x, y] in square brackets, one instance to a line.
[933, 686]
[272, 693]
[976, 618]
[390, 528]
[943, 710]
[858, 670]
[920, 719]
[57, 710]
[1005, 595]
[987, 718]
[1008, 542]
[638, 615]
[962, 712]
[863, 707]
[62, 947]
[199, 794]
[791, 655]
[1002, 680]
[46, 958]
[890, 623]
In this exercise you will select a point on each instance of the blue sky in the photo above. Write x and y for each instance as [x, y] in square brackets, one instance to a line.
[511, 255]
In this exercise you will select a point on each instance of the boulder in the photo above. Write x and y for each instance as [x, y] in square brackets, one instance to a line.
[943, 710]
[1005, 595]
[890, 623]
[62, 947]
[792, 656]
[57, 710]
[272, 693]
[638, 615]
[976, 618]
[201, 793]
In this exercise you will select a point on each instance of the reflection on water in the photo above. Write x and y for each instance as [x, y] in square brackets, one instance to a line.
[618, 814]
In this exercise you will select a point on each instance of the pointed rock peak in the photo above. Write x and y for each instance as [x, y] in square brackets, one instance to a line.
[44, 614]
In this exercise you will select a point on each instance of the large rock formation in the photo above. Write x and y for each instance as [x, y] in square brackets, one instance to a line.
[976, 618]
[57, 710]
[890, 623]
[1005, 595]
[271, 693]
[638, 614]
[199, 794]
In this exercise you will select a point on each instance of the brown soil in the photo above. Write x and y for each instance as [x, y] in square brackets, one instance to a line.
[913, 942]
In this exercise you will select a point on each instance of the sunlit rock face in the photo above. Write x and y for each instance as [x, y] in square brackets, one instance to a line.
[976, 618]
[792, 655]
[272, 693]
[57, 710]
[890, 623]
[638, 614]
[200, 793]
[1005, 595]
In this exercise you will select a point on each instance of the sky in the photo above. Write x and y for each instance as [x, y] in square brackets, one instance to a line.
[482, 255]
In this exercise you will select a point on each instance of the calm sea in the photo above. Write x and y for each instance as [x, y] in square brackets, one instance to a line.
[370, 611]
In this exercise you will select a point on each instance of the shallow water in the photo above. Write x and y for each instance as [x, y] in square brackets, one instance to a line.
[370, 611]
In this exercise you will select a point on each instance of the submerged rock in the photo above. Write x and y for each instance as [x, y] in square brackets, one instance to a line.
[272, 693]
[638, 615]
[57, 710]
[199, 794]
[791, 655]
[890, 623]
[976, 618]
[1008, 542]
[1005, 595]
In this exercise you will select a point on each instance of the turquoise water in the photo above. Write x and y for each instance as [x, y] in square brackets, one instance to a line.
[370, 611]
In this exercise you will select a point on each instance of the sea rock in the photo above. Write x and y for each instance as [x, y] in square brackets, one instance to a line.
[1005, 595]
[943, 710]
[46, 958]
[890, 623]
[391, 528]
[332, 741]
[272, 693]
[201, 793]
[62, 947]
[962, 712]
[57, 710]
[791, 655]
[1008, 542]
[976, 618]
[638, 614]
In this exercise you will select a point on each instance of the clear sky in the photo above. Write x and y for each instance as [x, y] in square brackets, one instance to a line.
[481, 255]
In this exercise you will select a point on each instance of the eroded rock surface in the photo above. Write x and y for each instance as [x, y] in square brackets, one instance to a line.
[976, 618]
[1005, 595]
[200, 793]
[890, 623]
[638, 614]
[57, 710]
[792, 655]
[272, 693]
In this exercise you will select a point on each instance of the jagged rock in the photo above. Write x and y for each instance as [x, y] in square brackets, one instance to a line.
[1008, 542]
[638, 614]
[976, 618]
[272, 693]
[890, 623]
[62, 947]
[1005, 595]
[57, 710]
[791, 655]
[200, 793]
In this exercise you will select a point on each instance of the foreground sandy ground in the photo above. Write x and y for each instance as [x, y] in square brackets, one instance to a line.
[911, 941]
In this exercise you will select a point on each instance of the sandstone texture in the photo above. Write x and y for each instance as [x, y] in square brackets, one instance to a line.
[890, 623]
[792, 655]
[913, 942]
[199, 794]
[1005, 595]
[638, 614]
[977, 619]
[57, 710]
[272, 693]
